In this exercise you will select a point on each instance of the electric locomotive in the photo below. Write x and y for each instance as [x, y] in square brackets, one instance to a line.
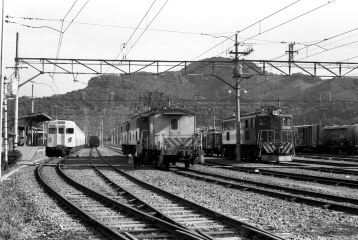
[168, 136]
[62, 137]
[266, 135]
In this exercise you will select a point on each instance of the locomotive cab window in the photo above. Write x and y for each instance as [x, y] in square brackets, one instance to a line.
[70, 130]
[61, 130]
[286, 121]
[174, 124]
[52, 131]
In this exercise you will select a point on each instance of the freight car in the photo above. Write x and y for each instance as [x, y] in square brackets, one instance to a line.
[62, 137]
[335, 139]
[93, 141]
[212, 142]
[266, 135]
[168, 136]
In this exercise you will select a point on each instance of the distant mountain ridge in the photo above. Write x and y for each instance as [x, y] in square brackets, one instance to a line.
[114, 97]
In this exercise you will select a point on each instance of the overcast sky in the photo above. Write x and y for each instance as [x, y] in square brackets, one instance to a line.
[175, 30]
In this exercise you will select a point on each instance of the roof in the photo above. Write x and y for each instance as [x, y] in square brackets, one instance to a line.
[164, 111]
[34, 119]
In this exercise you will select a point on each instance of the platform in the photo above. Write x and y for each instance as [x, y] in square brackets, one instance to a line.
[32, 153]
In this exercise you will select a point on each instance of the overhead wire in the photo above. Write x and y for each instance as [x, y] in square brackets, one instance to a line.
[147, 27]
[135, 29]
[270, 29]
[63, 32]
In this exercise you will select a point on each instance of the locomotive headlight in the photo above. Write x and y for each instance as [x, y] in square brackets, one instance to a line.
[50, 139]
[69, 139]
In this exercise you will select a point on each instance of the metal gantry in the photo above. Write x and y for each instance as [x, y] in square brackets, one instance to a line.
[160, 67]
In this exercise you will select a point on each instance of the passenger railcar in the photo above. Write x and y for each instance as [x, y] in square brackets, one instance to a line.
[62, 137]
[335, 139]
[93, 141]
[168, 136]
[266, 135]
[212, 142]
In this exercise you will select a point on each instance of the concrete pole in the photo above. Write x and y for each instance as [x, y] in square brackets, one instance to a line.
[16, 97]
[237, 75]
[117, 137]
[32, 100]
[6, 142]
[1, 77]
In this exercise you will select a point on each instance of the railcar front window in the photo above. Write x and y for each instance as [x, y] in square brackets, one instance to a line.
[52, 131]
[61, 130]
[70, 130]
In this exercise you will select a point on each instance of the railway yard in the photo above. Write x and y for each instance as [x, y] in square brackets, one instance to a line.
[218, 199]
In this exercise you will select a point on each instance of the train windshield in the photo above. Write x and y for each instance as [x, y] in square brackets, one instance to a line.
[269, 122]
[52, 131]
[70, 130]
[61, 130]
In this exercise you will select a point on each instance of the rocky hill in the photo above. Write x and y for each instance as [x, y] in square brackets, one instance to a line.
[114, 98]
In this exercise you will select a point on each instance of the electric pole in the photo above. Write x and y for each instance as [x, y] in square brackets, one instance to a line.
[237, 77]
[290, 56]
[16, 97]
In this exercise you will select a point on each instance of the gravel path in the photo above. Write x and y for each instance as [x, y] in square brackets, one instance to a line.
[288, 219]
[45, 220]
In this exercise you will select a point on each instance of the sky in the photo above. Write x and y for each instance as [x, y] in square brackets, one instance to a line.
[171, 30]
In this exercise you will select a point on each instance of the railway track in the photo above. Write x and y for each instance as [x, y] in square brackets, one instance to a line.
[286, 193]
[301, 177]
[350, 158]
[110, 217]
[178, 211]
[325, 162]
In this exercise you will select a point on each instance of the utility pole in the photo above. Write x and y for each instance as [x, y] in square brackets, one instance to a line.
[237, 77]
[16, 97]
[1, 77]
[290, 56]
[32, 100]
[6, 139]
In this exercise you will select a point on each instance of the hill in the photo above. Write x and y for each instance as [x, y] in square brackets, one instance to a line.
[114, 98]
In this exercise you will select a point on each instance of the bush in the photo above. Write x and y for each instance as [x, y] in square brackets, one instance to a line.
[13, 157]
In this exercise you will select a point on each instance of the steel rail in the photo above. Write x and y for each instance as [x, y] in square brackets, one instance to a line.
[324, 204]
[295, 176]
[165, 221]
[257, 233]
[93, 222]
